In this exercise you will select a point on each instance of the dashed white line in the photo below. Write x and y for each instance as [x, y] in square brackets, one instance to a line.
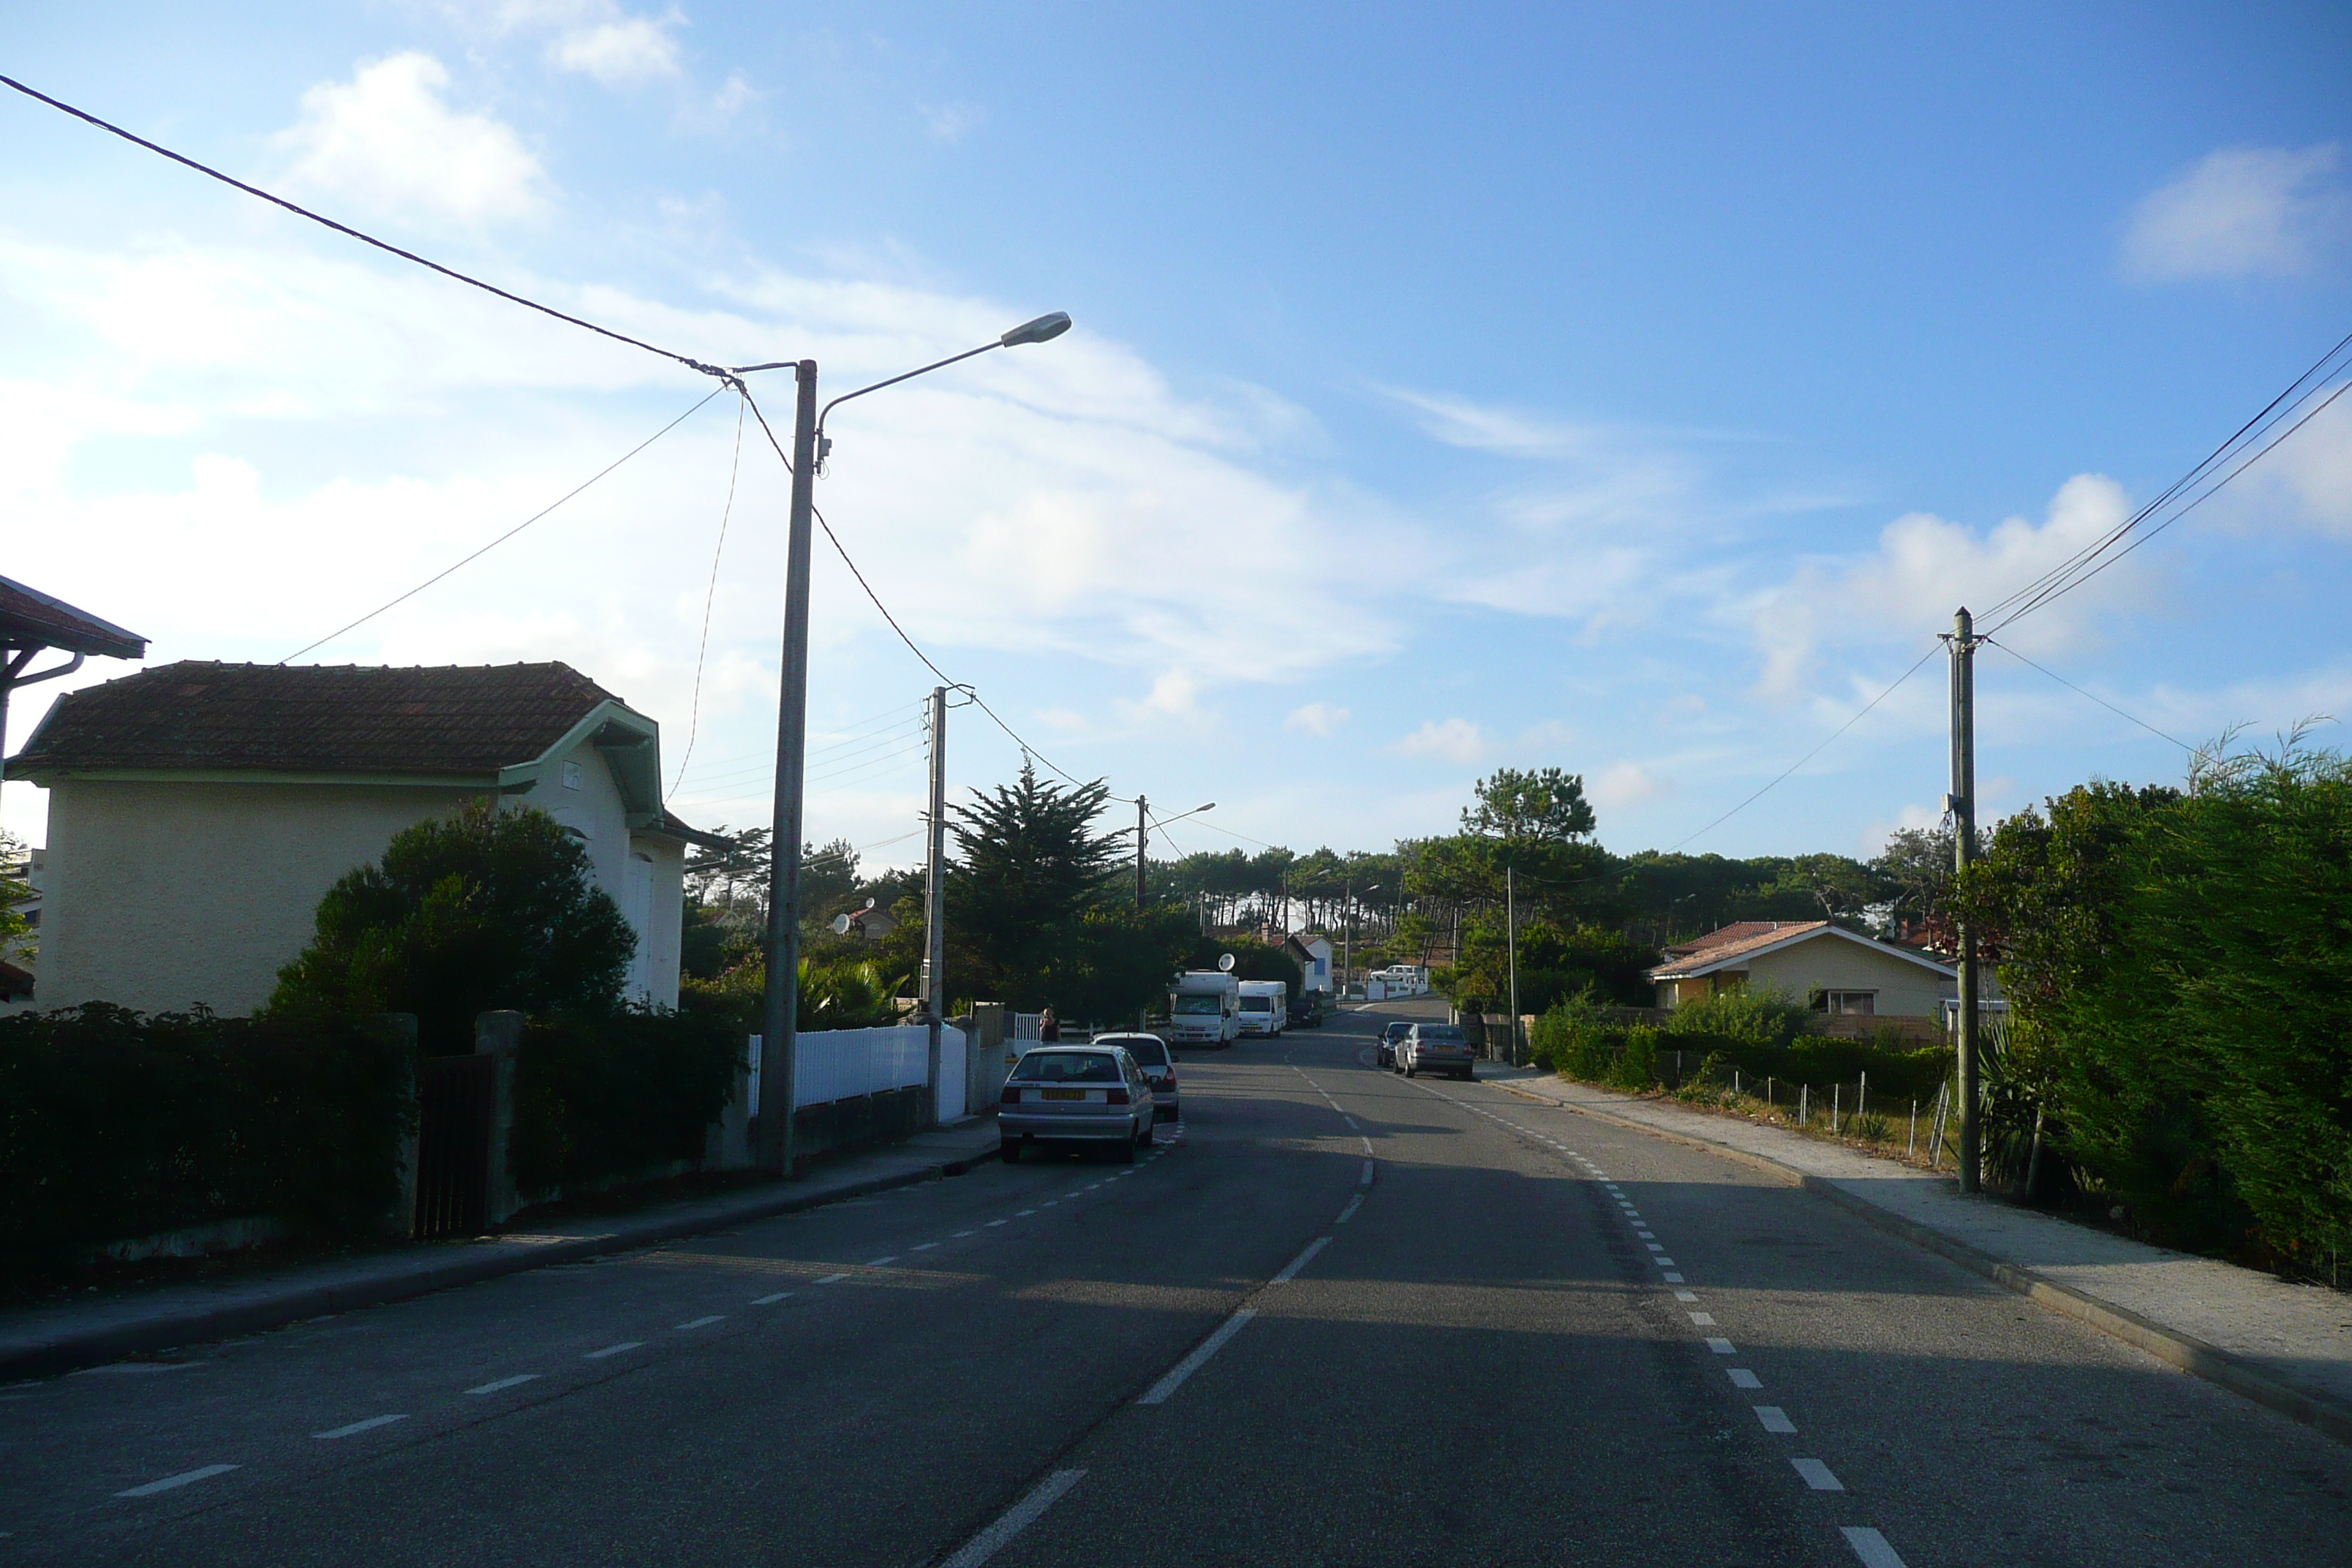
[1366, 1179]
[1654, 1246]
[833, 1278]
[924, 1245]
[1662, 1262]
[1743, 1378]
[1290, 1271]
[1672, 1278]
[770, 1301]
[1775, 1419]
[1354, 1204]
[1686, 1295]
[1348, 1118]
[517, 1381]
[700, 1323]
[880, 1262]
[1013, 1521]
[1721, 1347]
[1365, 1143]
[1818, 1476]
[1703, 1320]
[1158, 1392]
[961, 1234]
[356, 1428]
[202, 1473]
[1025, 1214]
[617, 1350]
[1870, 1546]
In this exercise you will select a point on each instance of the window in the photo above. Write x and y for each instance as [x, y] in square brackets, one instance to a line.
[1069, 1066]
[1258, 1004]
[1151, 1053]
[1445, 1033]
[571, 775]
[1862, 1003]
[1197, 1005]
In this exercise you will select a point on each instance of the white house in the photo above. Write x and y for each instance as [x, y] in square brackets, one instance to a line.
[198, 811]
[1314, 956]
[1849, 973]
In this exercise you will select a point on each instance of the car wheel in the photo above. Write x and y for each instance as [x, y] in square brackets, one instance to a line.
[1150, 1131]
[1409, 1071]
[1126, 1155]
[1469, 1076]
[1011, 1150]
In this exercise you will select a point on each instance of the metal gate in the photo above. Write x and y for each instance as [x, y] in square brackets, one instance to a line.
[456, 1104]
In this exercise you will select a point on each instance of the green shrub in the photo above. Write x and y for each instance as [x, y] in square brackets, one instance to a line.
[1636, 1068]
[604, 1099]
[115, 1125]
[1757, 1015]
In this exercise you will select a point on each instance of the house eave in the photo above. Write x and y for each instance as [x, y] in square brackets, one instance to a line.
[1740, 961]
[46, 777]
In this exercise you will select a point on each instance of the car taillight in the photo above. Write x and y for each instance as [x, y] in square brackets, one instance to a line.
[1171, 1079]
[1011, 1096]
[1115, 1097]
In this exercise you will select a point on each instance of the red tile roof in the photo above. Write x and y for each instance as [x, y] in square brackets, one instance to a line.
[313, 718]
[1737, 930]
[30, 619]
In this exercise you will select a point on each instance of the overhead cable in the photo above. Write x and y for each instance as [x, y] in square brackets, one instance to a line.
[341, 228]
[709, 599]
[2095, 698]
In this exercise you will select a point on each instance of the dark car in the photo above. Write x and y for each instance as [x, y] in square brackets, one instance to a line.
[1305, 1014]
[1159, 1064]
[1390, 1038]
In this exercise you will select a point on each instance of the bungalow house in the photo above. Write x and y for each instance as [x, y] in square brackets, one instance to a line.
[1844, 972]
[1314, 956]
[198, 811]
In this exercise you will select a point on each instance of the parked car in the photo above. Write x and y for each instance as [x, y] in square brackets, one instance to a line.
[1305, 1014]
[1159, 1064]
[1390, 1038]
[1435, 1048]
[1080, 1094]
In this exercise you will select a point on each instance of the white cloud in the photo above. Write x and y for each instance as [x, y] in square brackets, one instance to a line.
[387, 142]
[2240, 212]
[1456, 739]
[1176, 694]
[618, 51]
[1316, 718]
[1925, 567]
[1629, 784]
[951, 122]
[2308, 478]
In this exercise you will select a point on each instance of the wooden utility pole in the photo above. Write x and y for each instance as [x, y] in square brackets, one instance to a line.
[1963, 802]
[1511, 938]
[935, 907]
[1142, 838]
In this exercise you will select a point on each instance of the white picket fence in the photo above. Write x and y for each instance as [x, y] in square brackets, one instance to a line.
[842, 1064]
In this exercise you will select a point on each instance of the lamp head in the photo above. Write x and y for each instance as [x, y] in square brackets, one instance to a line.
[1037, 332]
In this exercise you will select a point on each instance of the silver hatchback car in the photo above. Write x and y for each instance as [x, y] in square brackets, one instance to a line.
[1437, 1047]
[1080, 1094]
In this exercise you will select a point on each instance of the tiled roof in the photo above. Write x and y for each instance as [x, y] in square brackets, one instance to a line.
[30, 619]
[1719, 946]
[314, 719]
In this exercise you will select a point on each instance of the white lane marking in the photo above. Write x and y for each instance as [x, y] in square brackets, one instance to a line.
[1817, 1476]
[1661, 1262]
[1654, 1246]
[1013, 1521]
[1721, 1347]
[961, 1234]
[1025, 1214]
[700, 1323]
[356, 1428]
[1290, 1271]
[1049, 1203]
[833, 1278]
[1775, 1419]
[1743, 1378]
[881, 1261]
[1672, 1278]
[1366, 1179]
[1354, 1204]
[1870, 1546]
[1348, 1118]
[1686, 1295]
[517, 1381]
[202, 1473]
[132, 1368]
[1365, 1143]
[925, 1245]
[771, 1300]
[614, 1350]
[1703, 1320]
[1158, 1392]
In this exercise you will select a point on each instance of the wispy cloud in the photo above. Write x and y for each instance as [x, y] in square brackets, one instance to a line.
[389, 142]
[1455, 740]
[1316, 718]
[2243, 212]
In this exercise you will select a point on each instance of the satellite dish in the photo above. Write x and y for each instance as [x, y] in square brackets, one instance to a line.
[841, 925]
[869, 903]
[1225, 964]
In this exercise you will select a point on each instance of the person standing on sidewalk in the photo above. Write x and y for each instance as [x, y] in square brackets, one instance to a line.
[1049, 1028]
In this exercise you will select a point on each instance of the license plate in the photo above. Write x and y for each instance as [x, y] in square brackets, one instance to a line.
[1065, 1094]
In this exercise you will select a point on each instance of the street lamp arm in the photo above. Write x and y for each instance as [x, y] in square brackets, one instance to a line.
[897, 379]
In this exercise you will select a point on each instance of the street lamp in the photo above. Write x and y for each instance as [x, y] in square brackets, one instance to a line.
[1143, 835]
[781, 1003]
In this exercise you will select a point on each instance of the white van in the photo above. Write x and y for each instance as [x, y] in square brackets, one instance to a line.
[1203, 1009]
[1265, 1007]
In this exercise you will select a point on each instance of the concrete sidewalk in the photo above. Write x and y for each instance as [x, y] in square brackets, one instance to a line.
[2287, 1347]
[39, 1341]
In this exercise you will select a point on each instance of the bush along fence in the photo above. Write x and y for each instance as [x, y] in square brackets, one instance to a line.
[129, 1135]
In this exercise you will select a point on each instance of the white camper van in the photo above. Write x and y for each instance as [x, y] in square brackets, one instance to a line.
[1203, 1009]
[1265, 1007]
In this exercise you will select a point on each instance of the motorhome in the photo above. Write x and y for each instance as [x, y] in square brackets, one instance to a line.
[1203, 1009]
[1265, 1007]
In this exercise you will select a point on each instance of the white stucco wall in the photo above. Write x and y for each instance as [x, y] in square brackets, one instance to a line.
[658, 945]
[1833, 963]
[163, 896]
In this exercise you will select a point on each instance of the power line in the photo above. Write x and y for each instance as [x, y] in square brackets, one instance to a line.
[450, 272]
[702, 649]
[2094, 697]
[1809, 756]
[511, 532]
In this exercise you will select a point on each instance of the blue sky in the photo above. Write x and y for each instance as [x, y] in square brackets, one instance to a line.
[1452, 388]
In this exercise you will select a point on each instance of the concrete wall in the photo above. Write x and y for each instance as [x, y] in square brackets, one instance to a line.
[162, 896]
[1826, 962]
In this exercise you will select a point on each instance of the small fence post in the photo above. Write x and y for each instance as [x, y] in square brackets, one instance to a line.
[1837, 1093]
[1911, 1140]
[499, 1034]
[1804, 1102]
[402, 1221]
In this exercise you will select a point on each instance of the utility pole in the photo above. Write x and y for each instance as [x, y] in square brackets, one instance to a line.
[1511, 944]
[1963, 801]
[780, 1006]
[1142, 837]
[935, 909]
[1348, 942]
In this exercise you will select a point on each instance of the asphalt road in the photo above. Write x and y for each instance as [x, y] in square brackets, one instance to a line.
[1342, 1318]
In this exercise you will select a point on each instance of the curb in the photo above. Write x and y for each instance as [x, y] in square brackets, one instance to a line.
[21, 1359]
[2184, 1352]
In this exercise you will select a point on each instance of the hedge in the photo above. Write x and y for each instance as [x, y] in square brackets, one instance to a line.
[1576, 1041]
[115, 1125]
[602, 1099]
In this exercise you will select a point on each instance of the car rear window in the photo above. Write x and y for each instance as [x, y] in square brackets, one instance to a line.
[1068, 1067]
[1399, 1031]
[1445, 1032]
[1147, 1052]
